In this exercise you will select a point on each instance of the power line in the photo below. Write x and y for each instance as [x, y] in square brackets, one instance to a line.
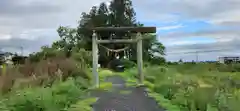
[202, 51]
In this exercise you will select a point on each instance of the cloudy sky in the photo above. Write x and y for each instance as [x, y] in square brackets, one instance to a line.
[183, 25]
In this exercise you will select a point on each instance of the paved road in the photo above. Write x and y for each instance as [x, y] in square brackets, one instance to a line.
[134, 98]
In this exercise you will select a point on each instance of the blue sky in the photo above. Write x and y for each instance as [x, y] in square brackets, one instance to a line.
[189, 26]
[183, 25]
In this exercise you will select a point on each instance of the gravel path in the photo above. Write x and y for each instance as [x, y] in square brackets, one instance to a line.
[135, 100]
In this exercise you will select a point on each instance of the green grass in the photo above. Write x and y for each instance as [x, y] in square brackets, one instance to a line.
[176, 88]
[125, 92]
[58, 97]
[83, 105]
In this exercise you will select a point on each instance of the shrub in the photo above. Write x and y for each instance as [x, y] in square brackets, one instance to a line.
[128, 64]
[58, 97]
[194, 87]
[42, 73]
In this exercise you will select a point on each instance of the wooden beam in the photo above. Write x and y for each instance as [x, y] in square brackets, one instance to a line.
[95, 59]
[125, 29]
[140, 59]
[117, 41]
[123, 40]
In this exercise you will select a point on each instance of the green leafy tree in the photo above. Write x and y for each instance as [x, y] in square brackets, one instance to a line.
[118, 13]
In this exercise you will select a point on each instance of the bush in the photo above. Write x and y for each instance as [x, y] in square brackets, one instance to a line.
[128, 64]
[58, 97]
[41, 73]
[230, 68]
[195, 87]
[47, 81]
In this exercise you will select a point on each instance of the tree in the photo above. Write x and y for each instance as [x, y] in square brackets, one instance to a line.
[119, 13]
[180, 61]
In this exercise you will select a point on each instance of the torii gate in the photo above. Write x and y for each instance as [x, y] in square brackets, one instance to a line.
[138, 39]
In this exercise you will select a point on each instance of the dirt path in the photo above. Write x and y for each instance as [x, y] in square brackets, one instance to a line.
[124, 98]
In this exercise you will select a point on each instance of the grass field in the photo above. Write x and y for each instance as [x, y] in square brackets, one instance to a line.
[196, 87]
[199, 87]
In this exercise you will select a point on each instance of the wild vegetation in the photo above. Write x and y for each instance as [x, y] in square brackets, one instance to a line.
[59, 78]
[201, 87]
[183, 87]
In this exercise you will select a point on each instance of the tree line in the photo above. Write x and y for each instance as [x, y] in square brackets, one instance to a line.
[118, 13]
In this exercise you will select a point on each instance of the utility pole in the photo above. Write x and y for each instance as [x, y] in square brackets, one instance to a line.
[197, 56]
[21, 50]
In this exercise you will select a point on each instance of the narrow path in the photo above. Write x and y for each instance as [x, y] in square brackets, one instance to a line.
[135, 100]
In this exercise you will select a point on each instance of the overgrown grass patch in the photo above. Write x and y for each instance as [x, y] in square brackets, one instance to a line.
[164, 102]
[125, 92]
[107, 86]
[57, 97]
[82, 105]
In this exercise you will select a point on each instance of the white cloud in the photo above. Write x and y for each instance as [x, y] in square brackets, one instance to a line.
[33, 23]
[226, 18]
[202, 9]
[4, 36]
[208, 51]
[183, 42]
[220, 13]
[170, 27]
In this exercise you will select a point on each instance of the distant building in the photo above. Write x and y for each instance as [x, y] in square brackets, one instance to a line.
[6, 57]
[229, 60]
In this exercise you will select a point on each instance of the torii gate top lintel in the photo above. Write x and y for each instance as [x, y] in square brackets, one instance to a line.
[125, 29]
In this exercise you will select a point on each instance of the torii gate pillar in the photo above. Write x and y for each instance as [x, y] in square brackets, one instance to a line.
[95, 59]
[140, 58]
